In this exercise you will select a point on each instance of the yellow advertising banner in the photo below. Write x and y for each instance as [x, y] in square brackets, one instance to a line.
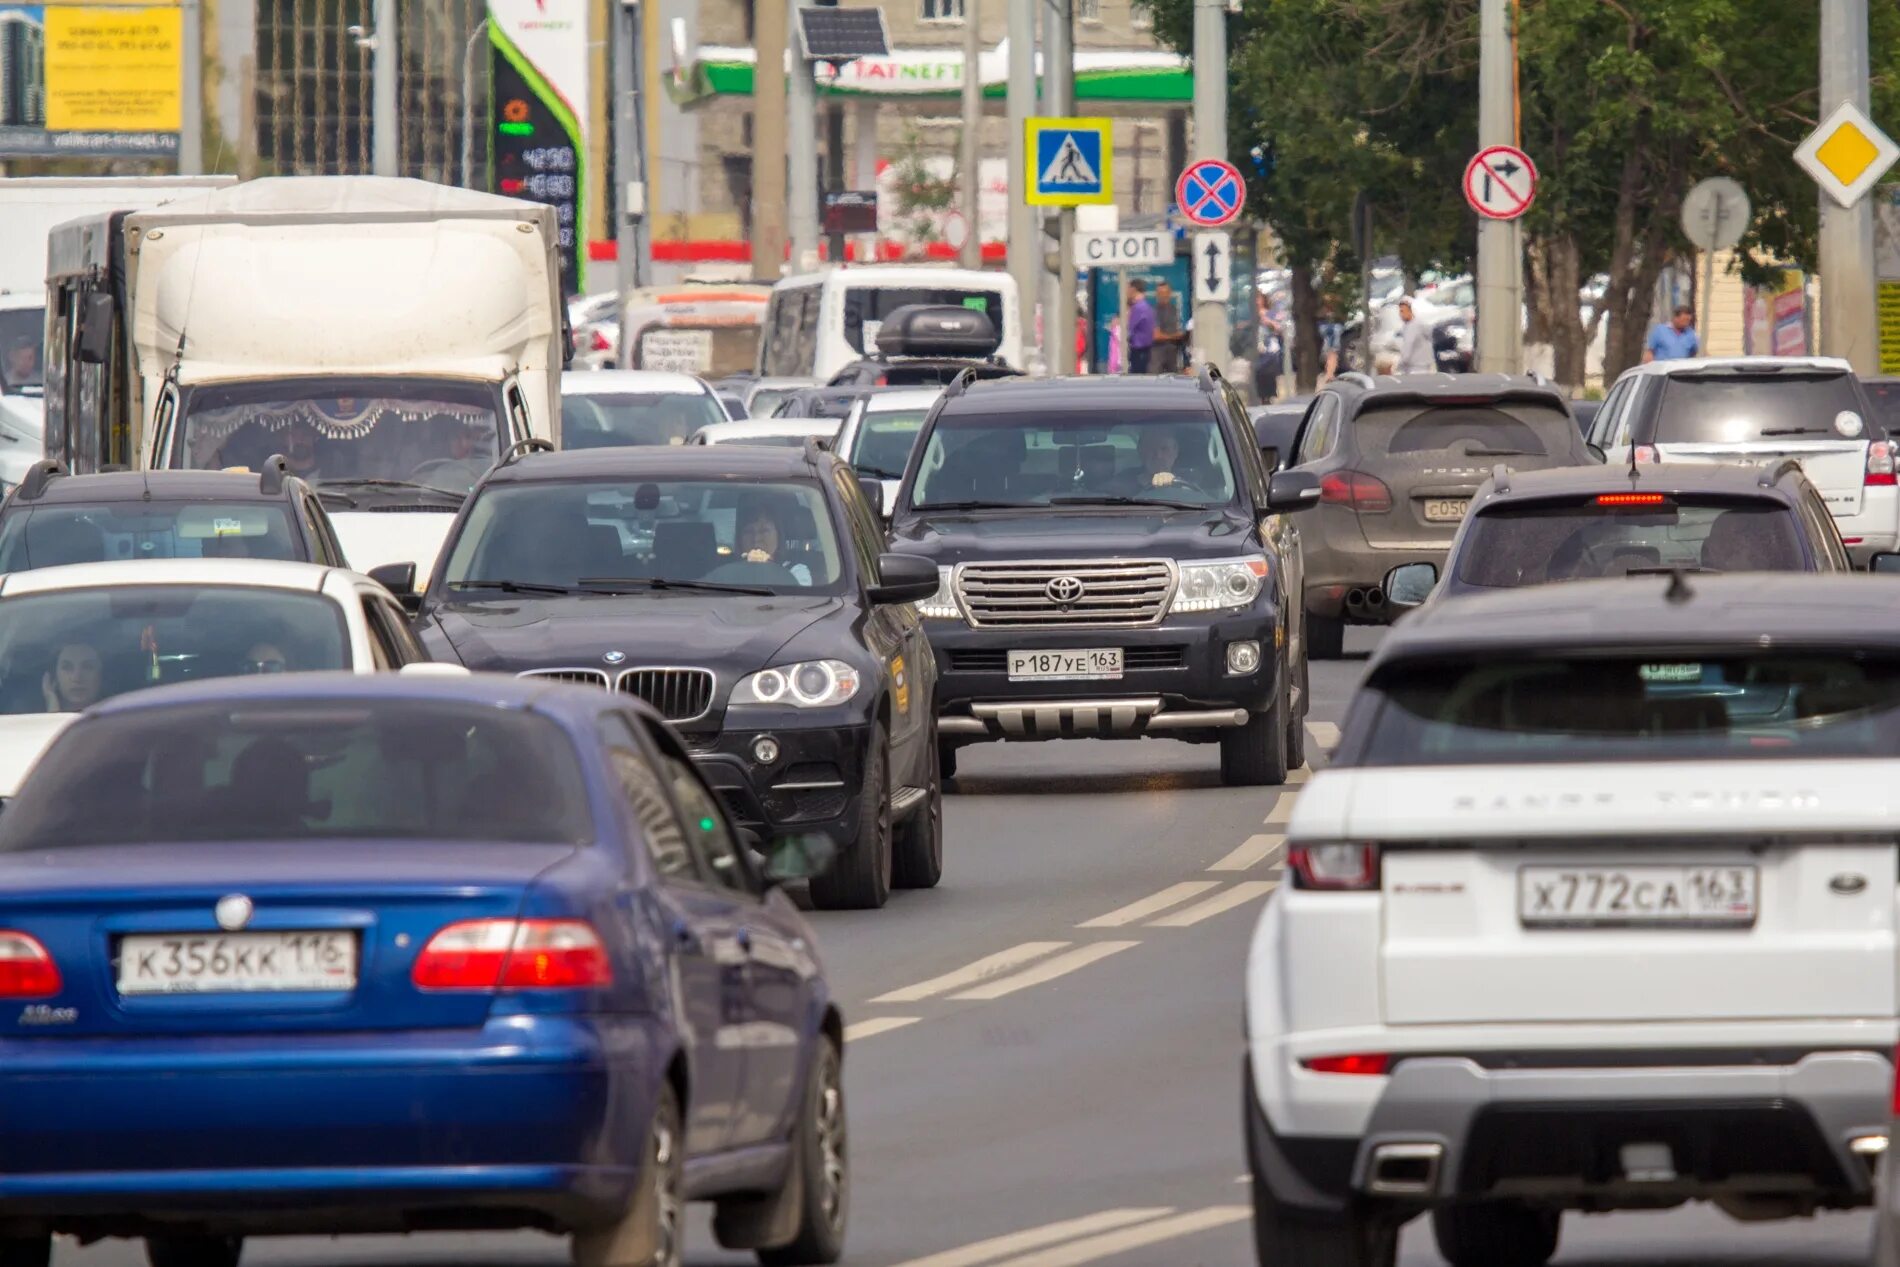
[1890, 327]
[113, 69]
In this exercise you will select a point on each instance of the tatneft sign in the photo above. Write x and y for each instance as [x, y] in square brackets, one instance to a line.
[103, 80]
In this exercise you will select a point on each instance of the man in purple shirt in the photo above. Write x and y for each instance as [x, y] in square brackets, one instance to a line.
[1141, 327]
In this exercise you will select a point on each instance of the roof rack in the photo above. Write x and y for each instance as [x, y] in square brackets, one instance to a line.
[1501, 477]
[38, 476]
[1208, 377]
[1360, 377]
[521, 448]
[961, 383]
[270, 481]
[1774, 468]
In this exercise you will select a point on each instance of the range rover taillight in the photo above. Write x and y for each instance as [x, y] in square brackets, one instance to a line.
[1340, 868]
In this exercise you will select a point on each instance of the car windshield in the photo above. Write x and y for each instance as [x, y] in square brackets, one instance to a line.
[1669, 706]
[38, 536]
[438, 434]
[1036, 459]
[290, 771]
[581, 534]
[884, 441]
[21, 331]
[866, 307]
[1725, 408]
[65, 650]
[1438, 430]
[1533, 544]
[606, 420]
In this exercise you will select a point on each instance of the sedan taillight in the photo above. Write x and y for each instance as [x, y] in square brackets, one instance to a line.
[26, 970]
[1341, 868]
[514, 954]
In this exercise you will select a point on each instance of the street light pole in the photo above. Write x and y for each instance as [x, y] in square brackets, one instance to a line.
[1058, 73]
[478, 37]
[968, 155]
[1500, 344]
[768, 140]
[1210, 139]
[1025, 244]
[1849, 317]
[191, 117]
[629, 146]
[385, 67]
[802, 190]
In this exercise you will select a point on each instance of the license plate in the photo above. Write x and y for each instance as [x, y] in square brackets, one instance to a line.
[236, 963]
[1651, 896]
[1445, 510]
[1074, 666]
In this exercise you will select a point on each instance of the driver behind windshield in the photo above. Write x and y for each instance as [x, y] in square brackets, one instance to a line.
[1159, 449]
[759, 540]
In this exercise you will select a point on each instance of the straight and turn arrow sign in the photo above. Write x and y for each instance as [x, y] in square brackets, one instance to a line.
[1213, 264]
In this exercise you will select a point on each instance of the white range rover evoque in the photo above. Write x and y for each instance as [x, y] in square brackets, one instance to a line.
[1593, 910]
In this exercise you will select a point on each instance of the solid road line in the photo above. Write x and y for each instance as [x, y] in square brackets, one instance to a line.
[877, 1025]
[1282, 812]
[1253, 851]
[1241, 894]
[971, 974]
[1037, 1238]
[1324, 733]
[1154, 904]
[1109, 1244]
[1048, 970]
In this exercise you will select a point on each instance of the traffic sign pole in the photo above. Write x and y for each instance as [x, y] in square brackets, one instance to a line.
[1849, 319]
[1500, 342]
[1025, 254]
[1210, 137]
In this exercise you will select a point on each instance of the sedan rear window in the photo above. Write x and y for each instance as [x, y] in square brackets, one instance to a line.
[1537, 544]
[1505, 429]
[1731, 408]
[303, 769]
[1661, 707]
[51, 535]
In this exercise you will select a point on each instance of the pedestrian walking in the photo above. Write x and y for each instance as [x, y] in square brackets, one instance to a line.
[1415, 342]
[1674, 339]
[1170, 339]
[1141, 328]
[1117, 361]
[1269, 360]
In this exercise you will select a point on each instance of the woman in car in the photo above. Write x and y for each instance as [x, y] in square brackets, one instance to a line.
[76, 681]
[759, 539]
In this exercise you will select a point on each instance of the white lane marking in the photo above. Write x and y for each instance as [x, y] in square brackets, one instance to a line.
[877, 1025]
[1048, 970]
[1241, 894]
[1324, 733]
[1037, 1238]
[971, 974]
[1153, 904]
[1296, 777]
[1282, 811]
[1109, 1244]
[1253, 851]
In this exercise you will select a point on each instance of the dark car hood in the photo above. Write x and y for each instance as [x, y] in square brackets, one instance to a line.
[957, 537]
[708, 630]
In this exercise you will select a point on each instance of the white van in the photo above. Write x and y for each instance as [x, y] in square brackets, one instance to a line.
[818, 323]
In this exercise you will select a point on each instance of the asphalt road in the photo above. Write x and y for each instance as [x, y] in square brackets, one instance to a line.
[1045, 1062]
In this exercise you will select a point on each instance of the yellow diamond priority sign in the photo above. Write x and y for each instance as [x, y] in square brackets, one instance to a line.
[1847, 155]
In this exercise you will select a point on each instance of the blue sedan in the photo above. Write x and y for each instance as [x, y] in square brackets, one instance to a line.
[327, 954]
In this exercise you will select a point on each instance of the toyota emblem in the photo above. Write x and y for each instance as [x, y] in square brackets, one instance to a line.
[1065, 590]
[233, 912]
[614, 657]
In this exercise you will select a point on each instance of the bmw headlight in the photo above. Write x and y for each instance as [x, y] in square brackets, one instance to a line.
[943, 604]
[808, 684]
[1220, 584]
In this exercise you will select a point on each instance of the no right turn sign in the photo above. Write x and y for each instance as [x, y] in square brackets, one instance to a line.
[1501, 182]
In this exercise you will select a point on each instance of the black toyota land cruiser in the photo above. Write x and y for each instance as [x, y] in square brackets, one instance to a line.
[1112, 563]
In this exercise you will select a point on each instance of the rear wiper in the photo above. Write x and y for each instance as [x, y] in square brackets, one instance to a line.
[512, 587]
[609, 584]
[972, 504]
[408, 485]
[1122, 499]
[1793, 431]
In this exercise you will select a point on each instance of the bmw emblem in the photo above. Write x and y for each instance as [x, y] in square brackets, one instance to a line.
[615, 657]
[233, 912]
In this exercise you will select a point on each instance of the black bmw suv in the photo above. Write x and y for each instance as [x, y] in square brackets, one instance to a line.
[1113, 562]
[745, 594]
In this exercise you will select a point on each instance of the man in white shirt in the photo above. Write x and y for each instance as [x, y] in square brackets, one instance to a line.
[1415, 342]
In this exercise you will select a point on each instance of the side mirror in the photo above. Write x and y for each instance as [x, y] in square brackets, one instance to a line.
[799, 857]
[400, 580]
[1292, 490]
[94, 346]
[873, 490]
[907, 579]
[1597, 453]
[1886, 561]
[1408, 586]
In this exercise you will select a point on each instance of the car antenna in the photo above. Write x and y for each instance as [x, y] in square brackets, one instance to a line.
[1634, 473]
[1678, 591]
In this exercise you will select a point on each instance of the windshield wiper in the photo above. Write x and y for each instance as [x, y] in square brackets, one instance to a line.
[1502, 453]
[973, 504]
[1793, 431]
[1666, 571]
[883, 475]
[512, 587]
[610, 583]
[1122, 499]
[407, 485]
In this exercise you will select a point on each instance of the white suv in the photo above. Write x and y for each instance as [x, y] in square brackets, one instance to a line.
[1594, 910]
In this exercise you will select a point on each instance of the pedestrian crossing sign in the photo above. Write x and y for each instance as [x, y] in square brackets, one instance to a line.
[1069, 162]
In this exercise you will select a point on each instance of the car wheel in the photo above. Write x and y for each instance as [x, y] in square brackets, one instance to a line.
[1496, 1234]
[650, 1233]
[861, 877]
[1325, 637]
[917, 851]
[824, 1168]
[946, 760]
[26, 1251]
[1255, 755]
[1296, 727]
[1283, 1238]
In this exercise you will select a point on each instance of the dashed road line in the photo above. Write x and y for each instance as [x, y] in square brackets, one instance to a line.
[1048, 970]
[1325, 734]
[877, 1025]
[1038, 1238]
[1296, 777]
[1109, 1244]
[972, 974]
[1282, 812]
[1241, 894]
[1252, 851]
[1154, 904]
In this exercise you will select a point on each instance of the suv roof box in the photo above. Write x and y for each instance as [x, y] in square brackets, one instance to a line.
[937, 330]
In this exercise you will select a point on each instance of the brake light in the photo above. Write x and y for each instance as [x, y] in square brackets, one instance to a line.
[509, 954]
[1359, 1063]
[601, 343]
[1630, 499]
[1346, 868]
[1880, 464]
[1645, 453]
[26, 970]
[1364, 494]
